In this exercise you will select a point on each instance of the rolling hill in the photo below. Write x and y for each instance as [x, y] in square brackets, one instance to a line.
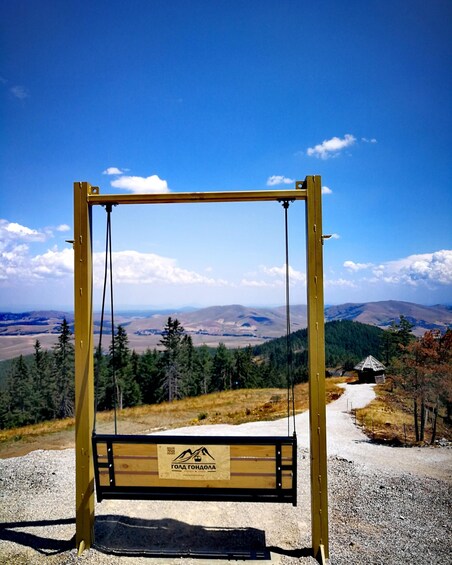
[234, 325]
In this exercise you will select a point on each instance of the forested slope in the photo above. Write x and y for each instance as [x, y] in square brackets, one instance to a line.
[346, 343]
[42, 387]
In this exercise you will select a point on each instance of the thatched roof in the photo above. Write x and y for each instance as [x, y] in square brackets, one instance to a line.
[370, 364]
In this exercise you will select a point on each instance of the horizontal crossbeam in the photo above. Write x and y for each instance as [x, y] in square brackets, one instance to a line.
[95, 198]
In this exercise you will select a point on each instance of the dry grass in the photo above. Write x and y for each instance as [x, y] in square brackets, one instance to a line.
[389, 419]
[228, 407]
[37, 430]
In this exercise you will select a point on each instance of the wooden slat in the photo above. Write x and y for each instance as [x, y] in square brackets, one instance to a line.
[101, 449]
[150, 449]
[141, 449]
[286, 452]
[142, 480]
[287, 479]
[267, 451]
[104, 478]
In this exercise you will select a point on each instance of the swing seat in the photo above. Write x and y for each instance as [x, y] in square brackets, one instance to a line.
[204, 468]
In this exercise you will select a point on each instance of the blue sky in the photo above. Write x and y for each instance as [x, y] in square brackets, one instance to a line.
[235, 95]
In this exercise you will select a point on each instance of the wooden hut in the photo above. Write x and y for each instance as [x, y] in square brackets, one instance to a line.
[370, 370]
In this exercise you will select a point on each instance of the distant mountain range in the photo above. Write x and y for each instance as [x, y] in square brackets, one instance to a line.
[234, 325]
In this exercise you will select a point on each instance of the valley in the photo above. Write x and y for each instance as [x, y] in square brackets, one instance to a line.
[234, 325]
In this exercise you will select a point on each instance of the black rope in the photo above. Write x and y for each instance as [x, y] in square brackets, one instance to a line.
[115, 382]
[290, 381]
[99, 347]
[107, 267]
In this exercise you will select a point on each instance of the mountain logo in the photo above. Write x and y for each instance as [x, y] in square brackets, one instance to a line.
[199, 459]
[194, 462]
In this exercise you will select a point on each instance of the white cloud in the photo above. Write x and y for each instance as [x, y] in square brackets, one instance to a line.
[279, 179]
[256, 284]
[112, 171]
[352, 266]
[273, 277]
[428, 270]
[129, 268]
[331, 147]
[133, 267]
[140, 185]
[425, 268]
[10, 231]
[16, 264]
[335, 236]
[326, 190]
[19, 92]
[367, 140]
[63, 228]
[280, 272]
[344, 283]
[52, 264]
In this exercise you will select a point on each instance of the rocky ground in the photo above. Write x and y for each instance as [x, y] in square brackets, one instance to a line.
[386, 506]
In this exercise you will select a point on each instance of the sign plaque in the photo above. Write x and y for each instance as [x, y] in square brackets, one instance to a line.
[194, 462]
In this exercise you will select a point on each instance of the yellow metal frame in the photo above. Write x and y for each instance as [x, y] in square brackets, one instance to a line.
[86, 196]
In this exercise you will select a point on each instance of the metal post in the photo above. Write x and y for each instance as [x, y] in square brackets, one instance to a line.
[84, 369]
[316, 368]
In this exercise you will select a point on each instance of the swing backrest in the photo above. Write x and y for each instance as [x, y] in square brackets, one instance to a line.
[251, 469]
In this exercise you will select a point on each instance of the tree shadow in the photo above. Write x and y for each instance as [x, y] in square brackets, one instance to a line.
[45, 545]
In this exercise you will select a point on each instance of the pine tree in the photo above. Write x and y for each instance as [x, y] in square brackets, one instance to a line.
[127, 392]
[63, 372]
[203, 368]
[191, 379]
[19, 396]
[245, 374]
[103, 386]
[171, 362]
[44, 383]
[222, 369]
[396, 338]
[147, 376]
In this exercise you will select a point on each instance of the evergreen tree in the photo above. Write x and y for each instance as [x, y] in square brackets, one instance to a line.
[103, 386]
[44, 383]
[18, 400]
[221, 369]
[190, 385]
[203, 368]
[127, 392]
[171, 362]
[4, 408]
[245, 374]
[148, 376]
[396, 338]
[63, 372]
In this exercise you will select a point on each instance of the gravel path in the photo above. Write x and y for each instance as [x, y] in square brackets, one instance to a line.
[387, 506]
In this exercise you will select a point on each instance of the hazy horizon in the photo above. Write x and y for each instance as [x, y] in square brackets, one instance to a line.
[141, 308]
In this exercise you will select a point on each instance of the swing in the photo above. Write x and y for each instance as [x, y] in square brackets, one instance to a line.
[201, 468]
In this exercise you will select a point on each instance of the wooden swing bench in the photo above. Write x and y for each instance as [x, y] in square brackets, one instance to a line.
[203, 468]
